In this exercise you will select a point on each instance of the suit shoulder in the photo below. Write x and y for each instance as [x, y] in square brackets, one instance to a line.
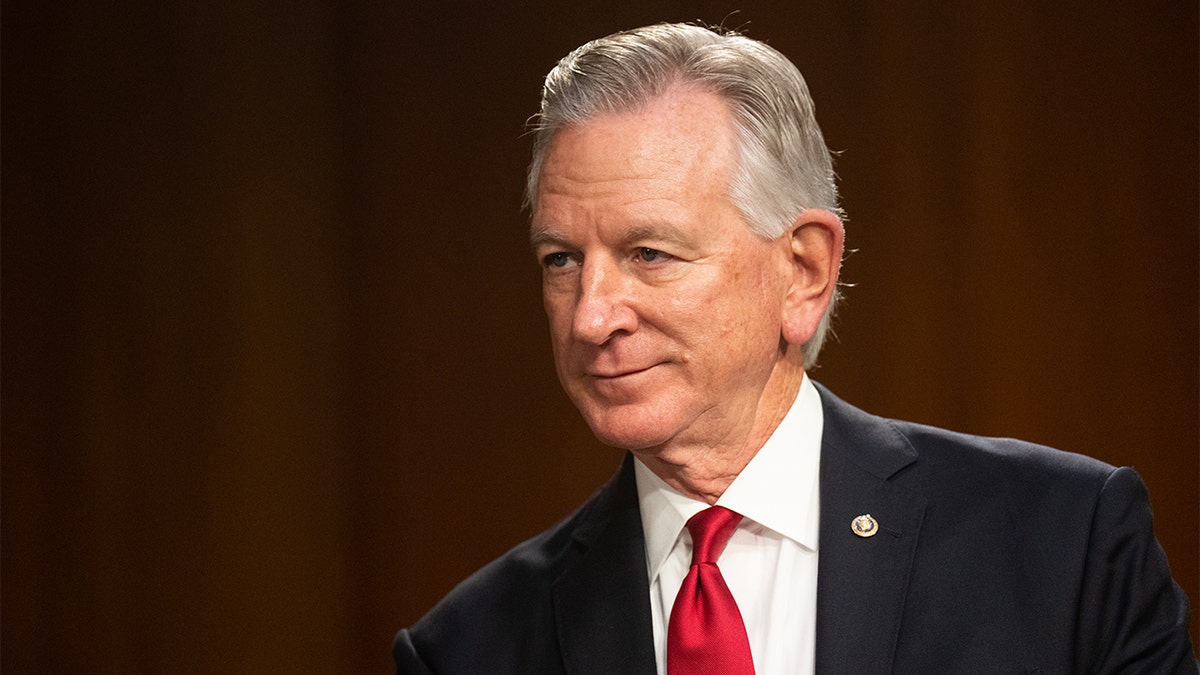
[891, 448]
[1013, 494]
[985, 453]
[914, 453]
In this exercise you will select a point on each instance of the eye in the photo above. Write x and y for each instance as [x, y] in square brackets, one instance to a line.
[557, 260]
[651, 255]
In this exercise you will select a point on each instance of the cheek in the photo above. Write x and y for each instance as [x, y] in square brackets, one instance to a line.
[557, 308]
[560, 314]
[747, 296]
[748, 319]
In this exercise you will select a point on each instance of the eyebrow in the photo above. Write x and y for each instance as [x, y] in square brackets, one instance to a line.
[544, 234]
[663, 232]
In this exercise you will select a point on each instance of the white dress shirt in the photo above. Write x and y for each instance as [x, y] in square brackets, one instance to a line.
[770, 563]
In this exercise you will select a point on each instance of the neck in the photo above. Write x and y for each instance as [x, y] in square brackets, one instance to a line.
[704, 470]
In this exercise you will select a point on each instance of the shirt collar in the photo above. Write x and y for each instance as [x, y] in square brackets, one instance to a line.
[778, 489]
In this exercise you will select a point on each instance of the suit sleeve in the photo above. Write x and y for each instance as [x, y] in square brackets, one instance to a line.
[1133, 617]
[407, 661]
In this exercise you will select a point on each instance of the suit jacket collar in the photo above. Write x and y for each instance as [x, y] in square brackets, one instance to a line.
[862, 581]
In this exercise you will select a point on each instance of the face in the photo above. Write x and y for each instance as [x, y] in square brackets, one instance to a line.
[664, 308]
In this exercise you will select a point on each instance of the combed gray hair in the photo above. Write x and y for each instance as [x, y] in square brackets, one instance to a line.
[784, 165]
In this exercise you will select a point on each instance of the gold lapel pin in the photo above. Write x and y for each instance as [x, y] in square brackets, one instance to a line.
[864, 526]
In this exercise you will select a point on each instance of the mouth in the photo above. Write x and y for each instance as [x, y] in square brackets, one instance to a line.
[608, 375]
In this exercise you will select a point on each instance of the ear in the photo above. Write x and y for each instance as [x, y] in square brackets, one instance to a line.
[816, 240]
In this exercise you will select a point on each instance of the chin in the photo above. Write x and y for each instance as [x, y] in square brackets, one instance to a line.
[629, 430]
[628, 441]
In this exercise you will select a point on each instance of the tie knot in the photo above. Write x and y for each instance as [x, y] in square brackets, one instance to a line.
[711, 530]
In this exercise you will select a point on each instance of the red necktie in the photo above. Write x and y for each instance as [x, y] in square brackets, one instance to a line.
[706, 634]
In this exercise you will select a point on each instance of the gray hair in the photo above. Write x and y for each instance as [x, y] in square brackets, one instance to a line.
[784, 165]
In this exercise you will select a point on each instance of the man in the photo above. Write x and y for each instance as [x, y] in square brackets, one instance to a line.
[685, 213]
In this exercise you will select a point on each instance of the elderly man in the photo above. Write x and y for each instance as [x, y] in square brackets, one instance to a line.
[685, 215]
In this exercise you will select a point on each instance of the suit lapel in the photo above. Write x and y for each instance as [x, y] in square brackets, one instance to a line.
[862, 581]
[602, 602]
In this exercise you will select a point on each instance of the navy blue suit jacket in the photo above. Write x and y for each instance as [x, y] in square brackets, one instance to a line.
[993, 556]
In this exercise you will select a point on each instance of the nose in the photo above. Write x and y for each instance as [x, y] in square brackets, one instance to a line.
[604, 306]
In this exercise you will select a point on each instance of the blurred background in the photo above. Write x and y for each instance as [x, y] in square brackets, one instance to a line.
[275, 368]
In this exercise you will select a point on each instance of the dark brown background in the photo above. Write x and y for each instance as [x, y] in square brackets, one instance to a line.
[275, 372]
